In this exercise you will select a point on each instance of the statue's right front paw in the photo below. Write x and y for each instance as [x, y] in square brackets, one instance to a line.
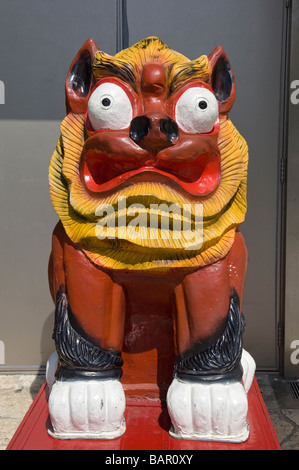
[87, 409]
[208, 411]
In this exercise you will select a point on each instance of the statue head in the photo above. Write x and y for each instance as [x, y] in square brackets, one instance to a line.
[148, 157]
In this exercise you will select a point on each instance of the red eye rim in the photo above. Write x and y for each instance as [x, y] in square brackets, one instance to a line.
[122, 85]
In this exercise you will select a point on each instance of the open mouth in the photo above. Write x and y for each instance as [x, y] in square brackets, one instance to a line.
[102, 172]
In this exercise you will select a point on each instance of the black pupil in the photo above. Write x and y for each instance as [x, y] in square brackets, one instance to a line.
[106, 102]
[203, 104]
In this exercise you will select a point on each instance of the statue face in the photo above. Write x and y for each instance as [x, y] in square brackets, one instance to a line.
[150, 134]
[147, 138]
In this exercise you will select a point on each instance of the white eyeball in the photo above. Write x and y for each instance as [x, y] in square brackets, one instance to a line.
[109, 107]
[197, 110]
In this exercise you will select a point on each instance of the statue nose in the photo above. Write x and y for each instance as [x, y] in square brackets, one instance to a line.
[154, 131]
[140, 127]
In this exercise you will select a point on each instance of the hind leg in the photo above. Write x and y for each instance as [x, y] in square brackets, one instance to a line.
[237, 265]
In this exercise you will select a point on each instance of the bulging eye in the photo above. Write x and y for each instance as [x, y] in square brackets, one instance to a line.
[196, 110]
[109, 107]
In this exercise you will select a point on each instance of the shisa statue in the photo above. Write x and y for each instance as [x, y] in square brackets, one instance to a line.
[148, 179]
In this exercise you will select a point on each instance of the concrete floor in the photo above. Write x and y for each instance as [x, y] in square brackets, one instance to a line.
[283, 414]
[18, 391]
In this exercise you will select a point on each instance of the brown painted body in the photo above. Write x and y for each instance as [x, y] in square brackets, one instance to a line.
[149, 317]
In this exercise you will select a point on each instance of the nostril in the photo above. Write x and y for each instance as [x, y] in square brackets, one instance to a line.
[139, 129]
[170, 128]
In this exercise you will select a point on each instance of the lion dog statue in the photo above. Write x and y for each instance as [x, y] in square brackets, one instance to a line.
[147, 267]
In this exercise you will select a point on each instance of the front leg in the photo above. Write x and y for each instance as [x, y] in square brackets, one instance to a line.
[86, 398]
[207, 399]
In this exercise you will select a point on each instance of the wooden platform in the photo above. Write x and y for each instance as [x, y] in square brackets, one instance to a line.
[147, 429]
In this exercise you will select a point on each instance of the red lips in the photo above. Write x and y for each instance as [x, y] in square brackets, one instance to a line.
[102, 172]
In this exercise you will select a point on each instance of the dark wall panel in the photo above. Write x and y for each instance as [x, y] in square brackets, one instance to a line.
[252, 35]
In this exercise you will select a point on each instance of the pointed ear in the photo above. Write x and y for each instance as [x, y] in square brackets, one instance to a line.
[79, 79]
[223, 80]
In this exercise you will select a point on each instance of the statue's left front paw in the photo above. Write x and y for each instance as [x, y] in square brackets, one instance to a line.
[87, 409]
[208, 411]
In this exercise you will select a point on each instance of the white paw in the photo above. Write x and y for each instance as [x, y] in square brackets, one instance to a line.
[87, 409]
[205, 411]
[248, 365]
[51, 368]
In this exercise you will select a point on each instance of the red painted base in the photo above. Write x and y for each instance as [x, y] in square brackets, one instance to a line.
[147, 429]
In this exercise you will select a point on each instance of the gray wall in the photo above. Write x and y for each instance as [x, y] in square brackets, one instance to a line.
[291, 359]
[38, 40]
